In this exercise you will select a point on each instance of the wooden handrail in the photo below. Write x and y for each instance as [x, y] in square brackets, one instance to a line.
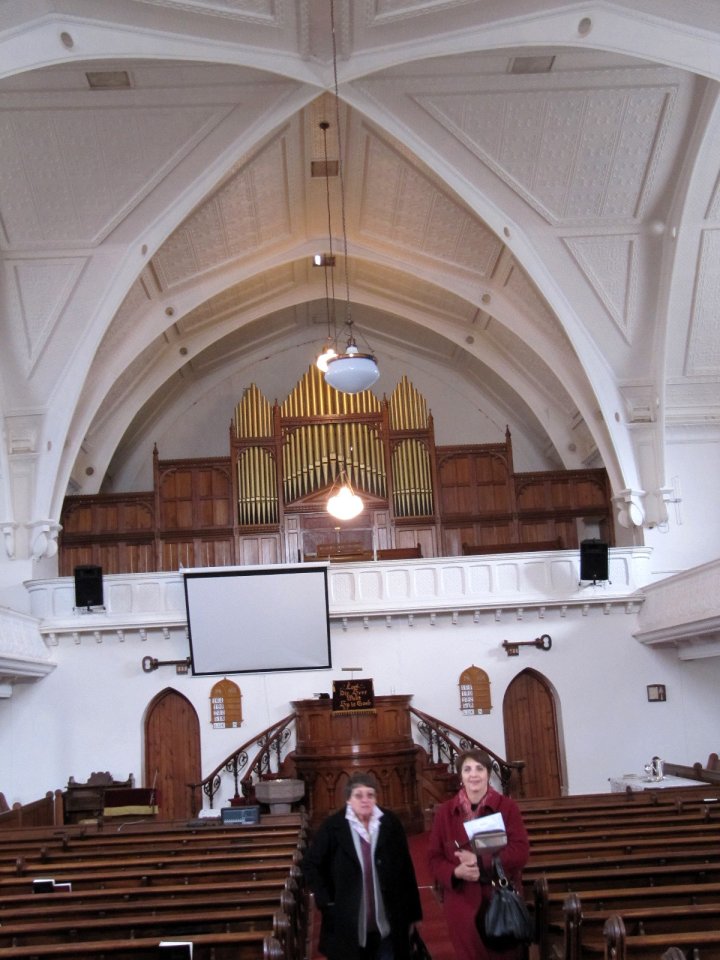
[270, 740]
[439, 736]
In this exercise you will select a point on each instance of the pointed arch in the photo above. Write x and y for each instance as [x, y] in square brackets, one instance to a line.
[532, 733]
[172, 753]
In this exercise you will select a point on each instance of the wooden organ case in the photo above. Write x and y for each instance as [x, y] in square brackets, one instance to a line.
[266, 502]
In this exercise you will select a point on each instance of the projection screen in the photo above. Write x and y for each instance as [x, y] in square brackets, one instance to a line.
[258, 619]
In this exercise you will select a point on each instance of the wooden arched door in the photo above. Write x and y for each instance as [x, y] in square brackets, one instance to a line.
[172, 753]
[531, 734]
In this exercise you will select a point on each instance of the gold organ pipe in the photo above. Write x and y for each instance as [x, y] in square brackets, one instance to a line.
[295, 458]
[288, 470]
[398, 480]
[347, 450]
[407, 503]
[405, 480]
[372, 447]
[324, 455]
[303, 460]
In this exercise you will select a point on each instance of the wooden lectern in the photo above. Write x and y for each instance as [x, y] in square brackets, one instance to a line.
[332, 746]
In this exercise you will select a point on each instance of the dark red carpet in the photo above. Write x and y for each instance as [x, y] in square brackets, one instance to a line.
[432, 927]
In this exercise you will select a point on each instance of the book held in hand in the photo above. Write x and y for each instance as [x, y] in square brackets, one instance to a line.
[487, 834]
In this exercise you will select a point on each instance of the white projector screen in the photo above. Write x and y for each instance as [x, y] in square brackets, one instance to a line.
[258, 619]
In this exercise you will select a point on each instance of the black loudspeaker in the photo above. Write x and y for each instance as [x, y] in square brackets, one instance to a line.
[88, 586]
[593, 560]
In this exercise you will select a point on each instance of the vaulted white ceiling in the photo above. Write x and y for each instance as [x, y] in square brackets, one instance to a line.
[532, 205]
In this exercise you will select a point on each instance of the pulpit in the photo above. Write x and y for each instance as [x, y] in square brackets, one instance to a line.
[330, 746]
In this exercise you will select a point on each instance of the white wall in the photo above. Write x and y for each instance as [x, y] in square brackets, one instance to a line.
[692, 533]
[88, 714]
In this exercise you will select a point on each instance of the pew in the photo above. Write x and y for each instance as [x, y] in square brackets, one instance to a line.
[584, 928]
[157, 923]
[400, 553]
[240, 945]
[233, 890]
[24, 866]
[619, 945]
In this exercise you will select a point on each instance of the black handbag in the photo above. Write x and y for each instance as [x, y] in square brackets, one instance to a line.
[418, 947]
[506, 920]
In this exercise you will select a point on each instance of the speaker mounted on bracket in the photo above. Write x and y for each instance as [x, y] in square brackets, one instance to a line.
[88, 587]
[593, 561]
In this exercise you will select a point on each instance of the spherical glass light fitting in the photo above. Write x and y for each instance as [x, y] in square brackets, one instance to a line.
[352, 371]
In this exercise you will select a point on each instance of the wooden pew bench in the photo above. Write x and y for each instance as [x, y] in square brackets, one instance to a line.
[160, 875]
[553, 907]
[99, 903]
[621, 845]
[240, 945]
[157, 923]
[46, 844]
[698, 944]
[583, 932]
[125, 859]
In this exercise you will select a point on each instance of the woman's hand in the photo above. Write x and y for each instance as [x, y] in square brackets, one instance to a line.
[467, 868]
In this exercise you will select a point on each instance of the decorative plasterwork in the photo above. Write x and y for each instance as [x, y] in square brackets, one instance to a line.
[552, 146]
[43, 288]
[514, 585]
[79, 203]
[610, 265]
[23, 655]
[684, 611]
[249, 212]
[252, 11]
[703, 353]
[403, 207]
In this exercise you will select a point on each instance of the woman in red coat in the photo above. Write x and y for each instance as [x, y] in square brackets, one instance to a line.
[463, 878]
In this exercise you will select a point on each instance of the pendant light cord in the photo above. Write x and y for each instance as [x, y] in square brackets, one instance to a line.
[348, 316]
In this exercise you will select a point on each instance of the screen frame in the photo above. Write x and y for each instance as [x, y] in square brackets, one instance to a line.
[197, 626]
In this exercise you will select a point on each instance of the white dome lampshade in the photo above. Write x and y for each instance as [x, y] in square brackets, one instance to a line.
[345, 504]
[352, 371]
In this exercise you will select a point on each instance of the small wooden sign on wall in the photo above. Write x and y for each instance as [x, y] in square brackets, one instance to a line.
[225, 705]
[353, 696]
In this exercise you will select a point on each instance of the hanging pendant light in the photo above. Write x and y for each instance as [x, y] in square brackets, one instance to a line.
[345, 504]
[350, 371]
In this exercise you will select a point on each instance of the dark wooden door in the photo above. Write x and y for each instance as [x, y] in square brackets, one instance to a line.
[172, 753]
[531, 733]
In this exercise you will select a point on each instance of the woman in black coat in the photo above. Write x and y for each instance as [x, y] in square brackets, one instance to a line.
[360, 871]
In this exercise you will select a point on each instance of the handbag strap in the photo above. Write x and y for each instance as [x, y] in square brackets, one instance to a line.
[502, 880]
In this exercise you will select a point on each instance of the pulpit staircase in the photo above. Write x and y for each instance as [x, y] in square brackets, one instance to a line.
[269, 755]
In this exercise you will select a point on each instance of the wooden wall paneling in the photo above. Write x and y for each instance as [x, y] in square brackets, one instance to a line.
[261, 549]
[176, 506]
[177, 553]
[214, 492]
[139, 557]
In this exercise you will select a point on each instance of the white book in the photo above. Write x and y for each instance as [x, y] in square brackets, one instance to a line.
[178, 948]
[487, 834]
